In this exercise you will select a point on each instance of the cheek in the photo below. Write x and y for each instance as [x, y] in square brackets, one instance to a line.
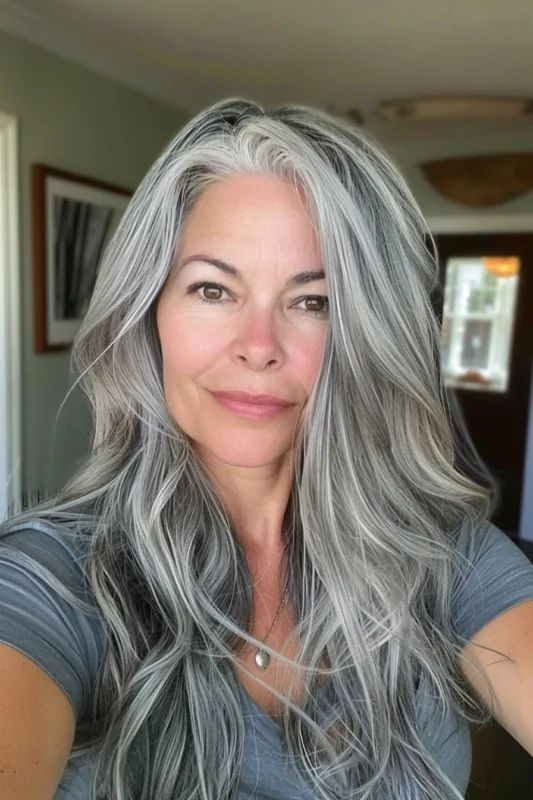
[310, 361]
[185, 347]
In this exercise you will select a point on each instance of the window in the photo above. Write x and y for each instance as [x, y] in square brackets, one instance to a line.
[478, 320]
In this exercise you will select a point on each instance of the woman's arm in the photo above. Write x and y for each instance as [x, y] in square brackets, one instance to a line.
[511, 633]
[37, 724]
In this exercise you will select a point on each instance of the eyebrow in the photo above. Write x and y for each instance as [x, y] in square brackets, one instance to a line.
[299, 279]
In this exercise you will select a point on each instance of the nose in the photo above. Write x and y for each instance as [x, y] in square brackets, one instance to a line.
[257, 341]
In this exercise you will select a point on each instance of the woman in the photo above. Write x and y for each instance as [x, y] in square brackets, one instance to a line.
[270, 579]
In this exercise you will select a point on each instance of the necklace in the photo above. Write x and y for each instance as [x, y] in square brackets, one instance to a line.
[262, 658]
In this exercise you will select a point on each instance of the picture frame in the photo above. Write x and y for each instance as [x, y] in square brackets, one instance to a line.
[74, 217]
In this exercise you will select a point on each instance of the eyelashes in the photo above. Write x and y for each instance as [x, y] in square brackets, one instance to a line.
[195, 288]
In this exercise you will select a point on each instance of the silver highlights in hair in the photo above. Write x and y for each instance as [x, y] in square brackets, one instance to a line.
[377, 500]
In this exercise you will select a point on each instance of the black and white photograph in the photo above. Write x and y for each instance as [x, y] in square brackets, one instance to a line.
[74, 219]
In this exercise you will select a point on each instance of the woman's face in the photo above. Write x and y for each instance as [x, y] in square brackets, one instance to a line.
[244, 310]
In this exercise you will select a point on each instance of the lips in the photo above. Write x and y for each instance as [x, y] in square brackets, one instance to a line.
[259, 407]
[254, 399]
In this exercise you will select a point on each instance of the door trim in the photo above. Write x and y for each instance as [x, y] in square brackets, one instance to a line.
[10, 321]
[502, 223]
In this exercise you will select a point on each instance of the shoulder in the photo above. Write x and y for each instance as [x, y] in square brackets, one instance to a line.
[43, 540]
[492, 575]
[50, 550]
[47, 610]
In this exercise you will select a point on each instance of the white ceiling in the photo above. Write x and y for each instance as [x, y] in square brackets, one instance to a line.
[342, 53]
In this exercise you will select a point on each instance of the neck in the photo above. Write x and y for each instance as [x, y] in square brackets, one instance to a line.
[257, 500]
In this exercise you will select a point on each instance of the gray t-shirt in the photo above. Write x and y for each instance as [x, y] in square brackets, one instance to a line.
[69, 645]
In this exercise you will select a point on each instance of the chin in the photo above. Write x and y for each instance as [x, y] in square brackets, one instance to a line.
[247, 454]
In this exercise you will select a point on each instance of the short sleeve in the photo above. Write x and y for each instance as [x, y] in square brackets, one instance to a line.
[493, 575]
[35, 617]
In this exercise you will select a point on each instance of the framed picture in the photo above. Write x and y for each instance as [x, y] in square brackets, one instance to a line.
[74, 218]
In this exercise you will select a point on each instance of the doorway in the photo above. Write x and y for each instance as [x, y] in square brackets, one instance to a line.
[10, 333]
[486, 312]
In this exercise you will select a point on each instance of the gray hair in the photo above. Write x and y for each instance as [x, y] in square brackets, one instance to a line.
[376, 504]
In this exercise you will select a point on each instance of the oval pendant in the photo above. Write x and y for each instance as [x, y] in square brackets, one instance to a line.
[262, 659]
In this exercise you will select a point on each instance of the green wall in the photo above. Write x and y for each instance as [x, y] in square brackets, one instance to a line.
[73, 119]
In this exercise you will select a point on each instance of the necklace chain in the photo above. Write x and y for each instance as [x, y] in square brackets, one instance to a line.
[262, 658]
[278, 612]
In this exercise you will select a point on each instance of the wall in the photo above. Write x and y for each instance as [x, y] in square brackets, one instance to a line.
[76, 120]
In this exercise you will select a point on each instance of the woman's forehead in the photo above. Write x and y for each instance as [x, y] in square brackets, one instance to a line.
[261, 216]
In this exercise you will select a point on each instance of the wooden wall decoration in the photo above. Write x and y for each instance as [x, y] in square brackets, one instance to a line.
[481, 181]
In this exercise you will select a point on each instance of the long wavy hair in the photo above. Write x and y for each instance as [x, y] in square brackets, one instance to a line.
[379, 493]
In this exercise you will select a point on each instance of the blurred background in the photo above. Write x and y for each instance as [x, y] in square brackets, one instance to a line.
[92, 90]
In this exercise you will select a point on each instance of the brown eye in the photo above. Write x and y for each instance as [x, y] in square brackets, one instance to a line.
[212, 292]
[317, 304]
